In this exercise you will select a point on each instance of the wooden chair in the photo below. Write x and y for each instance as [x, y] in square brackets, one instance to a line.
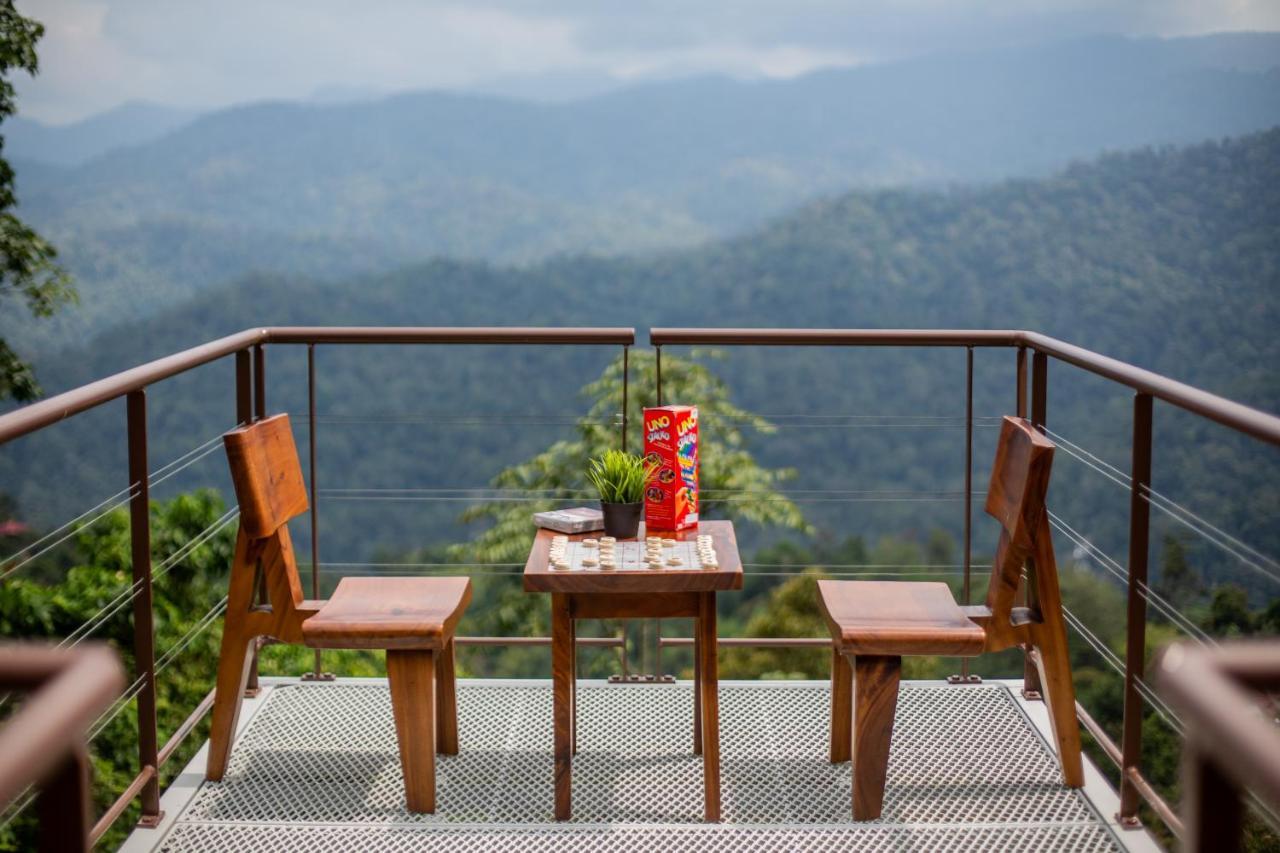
[873, 624]
[413, 619]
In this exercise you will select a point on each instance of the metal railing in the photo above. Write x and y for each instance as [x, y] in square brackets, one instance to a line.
[1234, 746]
[1147, 387]
[43, 744]
[249, 351]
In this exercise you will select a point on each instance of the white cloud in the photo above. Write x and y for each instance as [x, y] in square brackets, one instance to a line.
[99, 53]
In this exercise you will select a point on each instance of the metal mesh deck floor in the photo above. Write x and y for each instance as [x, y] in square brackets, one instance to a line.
[317, 769]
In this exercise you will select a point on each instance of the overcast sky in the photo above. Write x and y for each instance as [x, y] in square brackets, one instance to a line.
[98, 54]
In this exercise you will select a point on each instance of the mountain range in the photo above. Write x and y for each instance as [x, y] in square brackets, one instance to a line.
[1166, 258]
[173, 204]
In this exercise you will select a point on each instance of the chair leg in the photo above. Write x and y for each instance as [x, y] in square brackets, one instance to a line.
[234, 661]
[841, 707]
[411, 675]
[446, 702]
[697, 690]
[1054, 665]
[875, 697]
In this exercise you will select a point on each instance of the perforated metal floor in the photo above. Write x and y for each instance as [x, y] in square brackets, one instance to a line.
[317, 769]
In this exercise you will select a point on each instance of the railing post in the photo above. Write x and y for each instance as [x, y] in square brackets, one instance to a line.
[257, 391]
[259, 382]
[63, 806]
[144, 649]
[1020, 397]
[317, 668]
[626, 354]
[1136, 639]
[657, 366]
[1039, 390]
[244, 388]
[965, 677]
[1031, 688]
[653, 652]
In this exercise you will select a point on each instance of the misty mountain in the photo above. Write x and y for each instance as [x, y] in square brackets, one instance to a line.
[129, 124]
[1169, 259]
[671, 164]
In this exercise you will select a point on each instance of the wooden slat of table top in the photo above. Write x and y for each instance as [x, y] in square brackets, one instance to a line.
[540, 577]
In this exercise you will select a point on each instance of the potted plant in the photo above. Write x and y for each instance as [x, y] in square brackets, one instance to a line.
[621, 478]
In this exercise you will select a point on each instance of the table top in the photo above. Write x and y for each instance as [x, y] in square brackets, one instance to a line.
[540, 577]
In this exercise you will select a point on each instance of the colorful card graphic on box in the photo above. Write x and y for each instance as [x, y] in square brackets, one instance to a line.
[671, 442]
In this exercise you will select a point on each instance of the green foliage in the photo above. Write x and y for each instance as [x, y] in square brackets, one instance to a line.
[620, 477]
[27, 266]
[500, 608]
[42, 601]
[1180, 583]
[1229, 614]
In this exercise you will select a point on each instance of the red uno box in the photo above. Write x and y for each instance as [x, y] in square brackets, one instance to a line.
[671, 442]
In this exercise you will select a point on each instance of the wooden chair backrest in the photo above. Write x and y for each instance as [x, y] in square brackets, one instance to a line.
[267, 475]
[265, 588]
[1016, 498]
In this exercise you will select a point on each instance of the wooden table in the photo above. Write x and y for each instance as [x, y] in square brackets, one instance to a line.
[640, 594]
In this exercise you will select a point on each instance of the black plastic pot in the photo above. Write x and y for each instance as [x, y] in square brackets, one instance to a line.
[621, 521]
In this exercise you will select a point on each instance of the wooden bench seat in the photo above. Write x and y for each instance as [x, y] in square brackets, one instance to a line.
[389, 613]
[413, 619]
[897, 618]
[875, 623]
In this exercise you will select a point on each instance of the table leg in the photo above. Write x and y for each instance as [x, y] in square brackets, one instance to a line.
[573, 681]
[562, 699]
[708, 688]
[697, 688]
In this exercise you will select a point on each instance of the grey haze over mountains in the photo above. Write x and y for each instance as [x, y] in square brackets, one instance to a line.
[333, 189]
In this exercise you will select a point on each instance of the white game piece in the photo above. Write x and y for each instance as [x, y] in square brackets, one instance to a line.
[590, 562]
[608, 540]
[675, 561]
[668, 543]
[589, 543]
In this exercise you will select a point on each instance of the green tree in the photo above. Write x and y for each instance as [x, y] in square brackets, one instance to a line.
[1179, 583]
[28, 269]
[1229, 613]
[733, 485]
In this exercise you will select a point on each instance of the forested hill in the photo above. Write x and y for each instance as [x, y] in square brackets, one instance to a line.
[1169, 259]
[653, 167]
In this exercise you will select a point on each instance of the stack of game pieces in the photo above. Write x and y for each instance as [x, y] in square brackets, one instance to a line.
[558, 557]
[707, 552]
[608, 557]
[653, 552]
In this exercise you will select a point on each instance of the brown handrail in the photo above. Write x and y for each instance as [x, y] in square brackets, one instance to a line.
[1232, 745]
[43, 742]
[45, 412]
[1245, 419]
[249, 348]
[535, 335]
[1147, 386]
